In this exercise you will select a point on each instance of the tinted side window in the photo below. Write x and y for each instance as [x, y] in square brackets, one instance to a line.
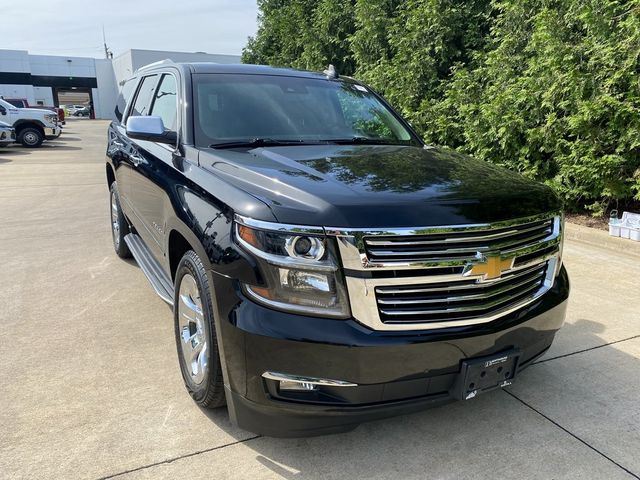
[164, 103]
[142, 103]
[123, 97]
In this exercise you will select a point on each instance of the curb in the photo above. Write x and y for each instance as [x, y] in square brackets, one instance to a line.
[600, 238]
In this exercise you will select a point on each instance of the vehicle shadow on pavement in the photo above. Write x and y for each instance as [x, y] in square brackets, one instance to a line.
[59, 147]
[8, 152]
[67, 139]
[485, 437]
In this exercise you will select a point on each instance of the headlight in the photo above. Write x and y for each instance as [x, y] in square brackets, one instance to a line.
[300, 271]
[51, 118]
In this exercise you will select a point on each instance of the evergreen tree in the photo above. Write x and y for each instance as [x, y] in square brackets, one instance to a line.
[549, 88]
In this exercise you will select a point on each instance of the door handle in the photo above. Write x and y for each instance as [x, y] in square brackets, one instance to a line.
[136, 160]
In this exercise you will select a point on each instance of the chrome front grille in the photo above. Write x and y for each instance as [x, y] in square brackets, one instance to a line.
[455, 245]
[466, 299]
[440, 277]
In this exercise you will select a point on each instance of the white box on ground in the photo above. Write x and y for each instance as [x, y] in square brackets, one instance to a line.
[626, 227]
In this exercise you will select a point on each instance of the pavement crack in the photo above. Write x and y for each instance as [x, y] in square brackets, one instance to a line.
[180, 457]
[585, 350]
[573, 434]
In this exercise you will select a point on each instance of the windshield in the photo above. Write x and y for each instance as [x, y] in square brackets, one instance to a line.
[16, 103]
[243, 108]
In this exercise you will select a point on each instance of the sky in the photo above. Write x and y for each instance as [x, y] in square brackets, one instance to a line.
[74, 27]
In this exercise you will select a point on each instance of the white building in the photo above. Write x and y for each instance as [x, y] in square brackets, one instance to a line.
[42, 78]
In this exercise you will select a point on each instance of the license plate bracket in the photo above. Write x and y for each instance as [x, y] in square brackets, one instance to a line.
[482, 374]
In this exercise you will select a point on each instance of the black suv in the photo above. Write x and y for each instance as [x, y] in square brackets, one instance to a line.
[324, 265]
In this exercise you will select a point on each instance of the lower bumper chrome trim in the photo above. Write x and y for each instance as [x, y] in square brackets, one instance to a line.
[284, 377]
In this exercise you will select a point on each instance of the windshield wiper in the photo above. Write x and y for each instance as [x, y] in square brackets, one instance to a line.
[257, 142]
[362, 141]
[271, 142]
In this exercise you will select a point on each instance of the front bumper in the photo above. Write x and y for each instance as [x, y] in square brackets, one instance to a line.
[52, 133]
[7, 137]
[395, 372]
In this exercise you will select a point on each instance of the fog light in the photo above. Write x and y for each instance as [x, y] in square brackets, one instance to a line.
[295, 382]
[291, 385]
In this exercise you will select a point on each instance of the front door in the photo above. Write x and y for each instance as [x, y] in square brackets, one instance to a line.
[10, 113]
[153, 167]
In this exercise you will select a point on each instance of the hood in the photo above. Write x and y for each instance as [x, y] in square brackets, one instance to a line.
[363, 186]
[42, 111]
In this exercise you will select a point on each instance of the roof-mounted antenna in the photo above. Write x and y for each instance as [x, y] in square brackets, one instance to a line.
[330, 72]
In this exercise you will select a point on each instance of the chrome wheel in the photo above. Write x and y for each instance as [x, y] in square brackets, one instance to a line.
[193, 329]
[115, 221]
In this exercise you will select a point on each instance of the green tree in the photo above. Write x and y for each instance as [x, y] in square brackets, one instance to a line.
[306, 34]
[426, 38]
[370, 41]
[555, 96]
[549, 88]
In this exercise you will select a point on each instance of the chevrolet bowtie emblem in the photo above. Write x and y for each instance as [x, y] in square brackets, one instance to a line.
[490, 266]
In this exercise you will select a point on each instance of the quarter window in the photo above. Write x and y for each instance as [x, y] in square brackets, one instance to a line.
[164, 103]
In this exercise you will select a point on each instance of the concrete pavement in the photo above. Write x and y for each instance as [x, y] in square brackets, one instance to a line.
[90, 386]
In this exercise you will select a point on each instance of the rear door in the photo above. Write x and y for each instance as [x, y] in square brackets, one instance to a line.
[118, 145]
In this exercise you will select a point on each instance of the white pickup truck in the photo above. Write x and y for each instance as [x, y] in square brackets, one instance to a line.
[32, 125]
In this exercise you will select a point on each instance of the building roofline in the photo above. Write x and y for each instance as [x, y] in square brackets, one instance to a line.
[177, 52]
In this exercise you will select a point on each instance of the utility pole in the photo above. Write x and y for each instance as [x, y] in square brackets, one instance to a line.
[107, 53]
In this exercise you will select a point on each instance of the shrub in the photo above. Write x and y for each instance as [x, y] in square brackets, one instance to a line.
[547, 88]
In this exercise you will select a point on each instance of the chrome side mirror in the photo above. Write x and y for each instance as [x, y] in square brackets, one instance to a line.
[149, 128]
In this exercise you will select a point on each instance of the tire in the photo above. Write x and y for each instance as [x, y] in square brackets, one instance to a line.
[194, 325]
[30, 137]
[119, 224]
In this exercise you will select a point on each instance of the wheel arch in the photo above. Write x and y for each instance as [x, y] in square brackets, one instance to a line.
[111, 175]
[180, 240]
[176, 248]
[20, 125]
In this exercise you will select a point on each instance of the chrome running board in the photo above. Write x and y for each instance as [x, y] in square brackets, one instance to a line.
[158, 279]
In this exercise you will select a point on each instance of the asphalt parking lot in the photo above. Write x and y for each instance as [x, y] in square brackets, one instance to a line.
[90, 386]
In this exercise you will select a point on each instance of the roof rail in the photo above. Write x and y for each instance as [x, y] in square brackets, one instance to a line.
[155, 64]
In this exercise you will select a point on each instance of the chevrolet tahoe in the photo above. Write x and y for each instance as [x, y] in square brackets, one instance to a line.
[325, 266]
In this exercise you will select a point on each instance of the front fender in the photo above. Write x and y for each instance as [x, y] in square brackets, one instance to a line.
[207, 226]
